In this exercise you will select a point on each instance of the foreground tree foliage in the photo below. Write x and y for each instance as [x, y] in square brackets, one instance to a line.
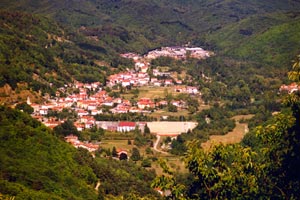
[281, 139]
[223, 172]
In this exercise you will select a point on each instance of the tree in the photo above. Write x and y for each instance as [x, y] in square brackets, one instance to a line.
[268, 171]
[25, 107]
[148, 150]
[172, 108]
[223, 172]
[281, 137]
[167, 140]
[96, 133]
[178, 146]
[135, 154]
[101, 194]
[193, 105]
[114, 152]
[146, 162]
[66, 128]
[168, 182]
[146, 129]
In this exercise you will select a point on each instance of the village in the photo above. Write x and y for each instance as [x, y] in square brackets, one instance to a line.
[88, 99]
[91, 98]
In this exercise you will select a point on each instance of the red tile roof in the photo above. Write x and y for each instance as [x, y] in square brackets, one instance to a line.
[131, 124]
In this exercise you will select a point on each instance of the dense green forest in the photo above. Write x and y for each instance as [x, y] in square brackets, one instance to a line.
[37, 51]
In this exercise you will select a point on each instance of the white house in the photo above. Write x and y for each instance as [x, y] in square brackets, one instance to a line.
[126, 126]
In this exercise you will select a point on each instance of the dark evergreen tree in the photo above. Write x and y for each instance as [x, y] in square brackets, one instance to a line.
[114, 152]
[146, 129]
[135, 154]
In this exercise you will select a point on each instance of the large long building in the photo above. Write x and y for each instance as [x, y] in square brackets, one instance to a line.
[164, 128]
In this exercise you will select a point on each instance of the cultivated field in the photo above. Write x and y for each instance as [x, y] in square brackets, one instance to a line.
[235, 136]
[156, 92]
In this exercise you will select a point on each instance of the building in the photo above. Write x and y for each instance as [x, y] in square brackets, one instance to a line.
[126, 126]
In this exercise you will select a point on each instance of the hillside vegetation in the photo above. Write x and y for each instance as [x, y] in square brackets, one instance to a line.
[35, 164]
[37, 52]
[138, 25]
[62, 40]
[267, 39]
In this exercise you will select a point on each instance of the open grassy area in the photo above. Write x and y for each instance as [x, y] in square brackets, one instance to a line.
[235, 136]
[156, 92]
[119, 144]
[164, 112]
[151, 92]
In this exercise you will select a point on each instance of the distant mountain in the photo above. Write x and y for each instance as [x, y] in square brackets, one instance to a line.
[271, 39]
[144, 24]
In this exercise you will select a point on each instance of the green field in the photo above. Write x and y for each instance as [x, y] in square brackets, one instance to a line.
[151, 92]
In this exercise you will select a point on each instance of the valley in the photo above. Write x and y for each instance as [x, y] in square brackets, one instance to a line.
[142, 99]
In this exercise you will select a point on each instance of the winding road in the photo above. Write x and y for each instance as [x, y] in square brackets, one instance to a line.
[156, 144]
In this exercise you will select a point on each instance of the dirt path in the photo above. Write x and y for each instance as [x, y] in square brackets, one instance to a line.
[235, 136]
[97, 186]
[156, 144]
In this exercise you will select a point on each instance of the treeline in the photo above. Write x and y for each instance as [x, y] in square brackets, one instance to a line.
[124, 117]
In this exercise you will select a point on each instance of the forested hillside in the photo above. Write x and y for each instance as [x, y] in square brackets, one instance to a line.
[270, 39]
[35, 164]
[43, 56]
[142, 25]
[64, 41]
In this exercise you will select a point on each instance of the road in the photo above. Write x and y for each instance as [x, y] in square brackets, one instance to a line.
[156, 144]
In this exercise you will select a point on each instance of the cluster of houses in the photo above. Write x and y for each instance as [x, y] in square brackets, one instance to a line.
[73, 139]
[142, 66]
[89, 98]
[75, 142]
[129, 78]
[179, 52]
[132, 56]
[126, 79]
[87, 106]
[187, 89]
[176, 52]
[293, 87]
